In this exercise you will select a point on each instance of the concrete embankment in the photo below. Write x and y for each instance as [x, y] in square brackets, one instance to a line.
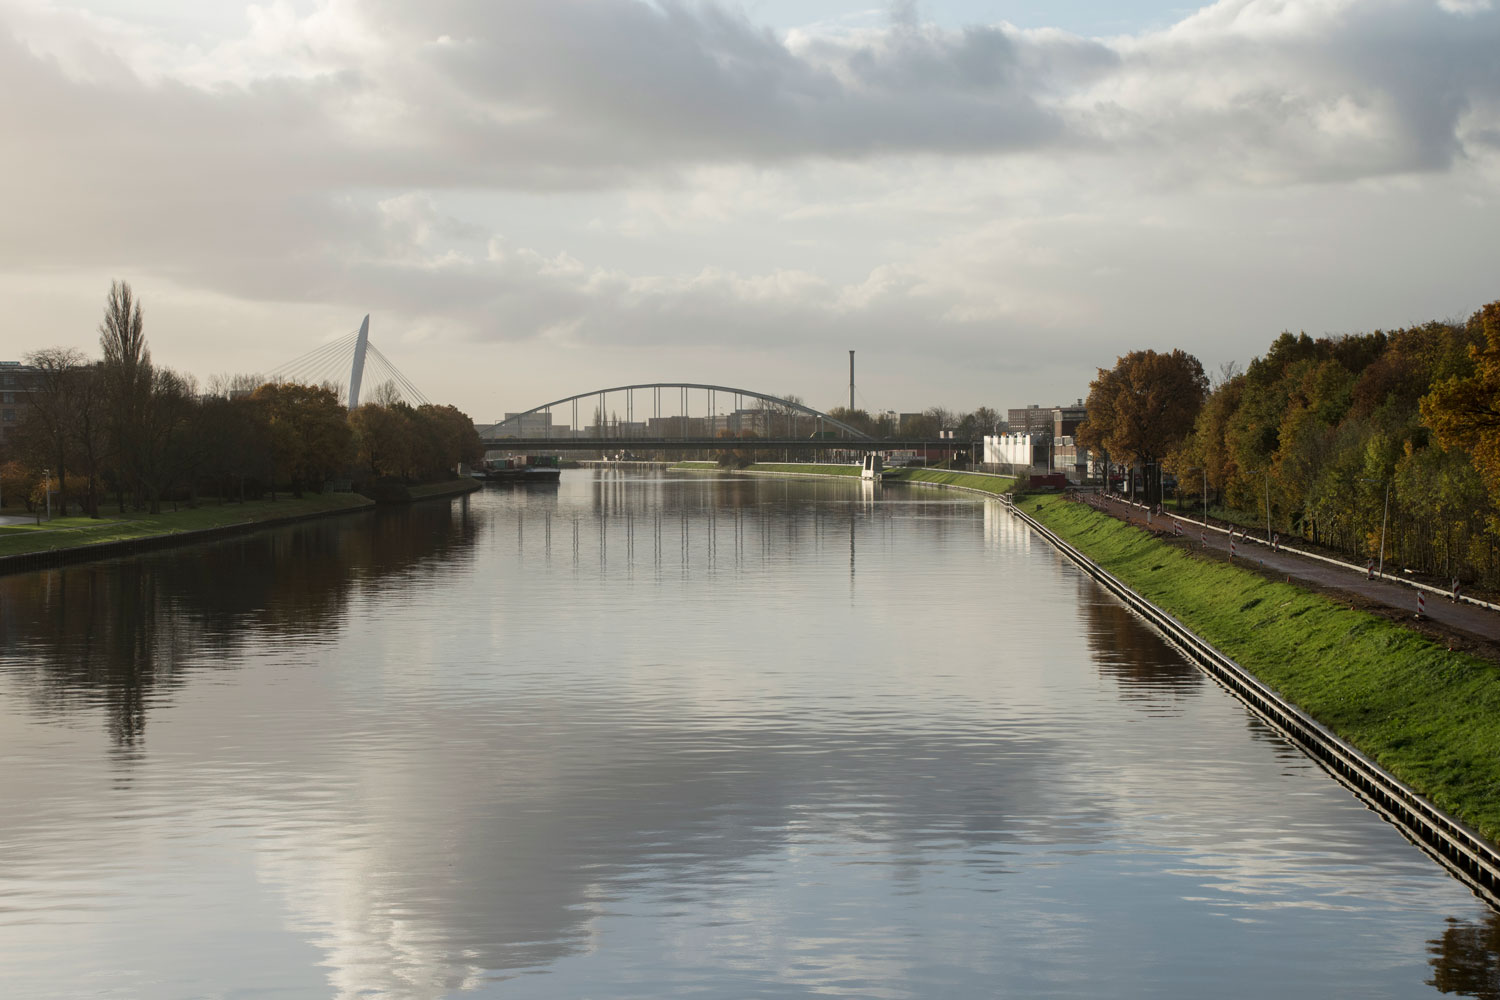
[450, 488]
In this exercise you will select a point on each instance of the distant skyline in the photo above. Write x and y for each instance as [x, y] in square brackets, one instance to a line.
[987, 201]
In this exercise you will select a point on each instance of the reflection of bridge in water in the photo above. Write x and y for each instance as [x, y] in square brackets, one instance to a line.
[661, 416]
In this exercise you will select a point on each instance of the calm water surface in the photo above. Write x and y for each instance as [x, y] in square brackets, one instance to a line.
[658, 736]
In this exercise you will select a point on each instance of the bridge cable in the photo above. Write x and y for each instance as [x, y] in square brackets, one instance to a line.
[405, 382]
[317, 356]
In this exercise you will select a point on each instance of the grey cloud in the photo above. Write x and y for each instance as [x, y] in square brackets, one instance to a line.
[566, 93]
[572, 92]
[1295, 92]
[555, 94]
[272, 187]
[575, 85]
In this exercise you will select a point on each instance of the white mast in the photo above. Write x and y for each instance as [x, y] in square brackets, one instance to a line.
[357, 372]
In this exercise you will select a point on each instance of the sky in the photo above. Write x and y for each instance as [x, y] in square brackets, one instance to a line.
[987, 201]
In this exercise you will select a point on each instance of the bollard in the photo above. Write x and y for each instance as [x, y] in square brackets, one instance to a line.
[1421, 603]
[1231, 545]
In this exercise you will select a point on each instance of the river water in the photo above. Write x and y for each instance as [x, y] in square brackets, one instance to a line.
[654, 735]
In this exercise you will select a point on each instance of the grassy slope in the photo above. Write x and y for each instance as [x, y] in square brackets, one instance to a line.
[795, 468]
[1429, 716]
[990, 484]
[68, 532]
[806, 469]
[971, 480]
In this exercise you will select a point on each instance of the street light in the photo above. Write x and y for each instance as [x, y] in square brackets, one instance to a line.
[1267, 473]
[1383, 519]
[1199, 468]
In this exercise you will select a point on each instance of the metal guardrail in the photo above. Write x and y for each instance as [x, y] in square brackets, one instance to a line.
[1352, 567]
[1459, 848]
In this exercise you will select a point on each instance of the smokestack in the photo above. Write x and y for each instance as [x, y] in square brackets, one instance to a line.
[851, 381]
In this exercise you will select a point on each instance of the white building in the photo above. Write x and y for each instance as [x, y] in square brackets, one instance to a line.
[1015, 450]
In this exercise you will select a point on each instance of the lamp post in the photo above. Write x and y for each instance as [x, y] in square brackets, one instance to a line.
[1199, 468]
[1384, 517]
[1267, 473]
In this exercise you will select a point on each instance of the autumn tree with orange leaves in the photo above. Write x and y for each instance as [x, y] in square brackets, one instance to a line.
[1143, 407]
[1464, 412]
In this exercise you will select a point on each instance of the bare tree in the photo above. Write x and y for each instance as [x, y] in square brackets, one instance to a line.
[90, 428]
[987, 420]
[121, 334]
[164, 454]
[227, 386]
[387, 394]
[944, 418]
[127, 378]
[51, 416]
[1228, 370]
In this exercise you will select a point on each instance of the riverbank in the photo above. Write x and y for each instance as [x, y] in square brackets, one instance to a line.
[77, 539]
[977, 482]
[1429, 716]
[447, 488]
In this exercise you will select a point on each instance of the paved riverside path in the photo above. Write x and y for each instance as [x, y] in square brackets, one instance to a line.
[1397, 599]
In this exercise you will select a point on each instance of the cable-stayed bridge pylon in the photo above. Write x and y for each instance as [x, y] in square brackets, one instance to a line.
[324, 365]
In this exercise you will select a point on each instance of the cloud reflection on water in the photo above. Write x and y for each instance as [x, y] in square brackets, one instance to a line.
[454, 753]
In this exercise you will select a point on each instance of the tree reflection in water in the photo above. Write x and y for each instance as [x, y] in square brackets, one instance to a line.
[1466, 959]
[1145, 666]
[119, 634]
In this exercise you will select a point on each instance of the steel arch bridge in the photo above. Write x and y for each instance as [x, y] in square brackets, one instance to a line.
[819, 423]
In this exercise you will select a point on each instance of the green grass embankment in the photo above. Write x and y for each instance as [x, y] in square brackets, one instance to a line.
[1427, 715]
[934, 477]
[73, 532]
[968, 480]
[804, 469]
[781, 468]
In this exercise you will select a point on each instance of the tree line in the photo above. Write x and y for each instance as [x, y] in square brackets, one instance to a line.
[121, 427]
[1348, 442]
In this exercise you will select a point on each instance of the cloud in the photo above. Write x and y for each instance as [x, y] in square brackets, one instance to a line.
[535, 94]
[734, 185]
[1464, 6]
